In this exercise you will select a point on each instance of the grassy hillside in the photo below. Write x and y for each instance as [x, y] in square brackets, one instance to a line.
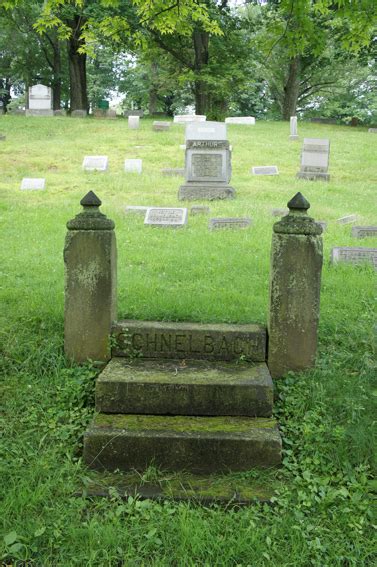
[322, 513]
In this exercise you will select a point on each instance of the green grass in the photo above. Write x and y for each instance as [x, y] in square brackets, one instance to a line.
[322, 515]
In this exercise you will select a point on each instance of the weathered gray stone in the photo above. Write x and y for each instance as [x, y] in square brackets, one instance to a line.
[60, 112]
[322, 224]
[99, 113]
[265, 170]
[173, 171]
[185, 118]
[293, 129]
[137, 209]
[134, 112]
[133, 122]
[315, 159]
[296, 264]
[90, 283]
[372, 130]
[199, 210]
[160, 126]
[149, 339]
[229, 222]
[95, 163]
[166, 217]
[196, 444]
[348, 219]
[245, 120]
[79, 114]
[354, 255]
[279, 212]
[33, 183]
[133, 165]
[196, 387]
[111, 114]
[364, 231]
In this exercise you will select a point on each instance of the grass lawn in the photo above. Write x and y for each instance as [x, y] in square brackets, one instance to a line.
[322, 510]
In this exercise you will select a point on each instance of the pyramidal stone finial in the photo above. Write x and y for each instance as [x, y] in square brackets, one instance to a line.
[91, 200]
[298, 202]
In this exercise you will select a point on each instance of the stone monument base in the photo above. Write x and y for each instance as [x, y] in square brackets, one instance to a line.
[313, 175]
[205, 192]
[35, 112]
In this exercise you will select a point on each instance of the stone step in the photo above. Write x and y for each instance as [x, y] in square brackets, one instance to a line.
[191, 387]
[195, 444]
[162, 340]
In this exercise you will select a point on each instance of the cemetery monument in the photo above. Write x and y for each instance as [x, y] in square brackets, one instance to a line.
[315, 159]
[39, 101]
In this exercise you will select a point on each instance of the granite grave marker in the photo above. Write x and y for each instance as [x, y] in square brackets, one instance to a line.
[354, 255]
[245, 120]
[95, 163]
[229, 222]
[40, 101]
[265, 170]
[348, 219]
[315, 159]
[364, 231]
[293, 128]
[133, 122]
[170, 217]
[33, 183]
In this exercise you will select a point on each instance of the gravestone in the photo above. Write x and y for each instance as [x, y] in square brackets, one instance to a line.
[33, 183]
[229, 222]
[354, 255]
[265, 170]
[161, 126]
[99, 113]
[79, 114]
[134, 112]
[136, 209]
[2, 111]
[170, 217]
[40, 101]
[208, 163]
[2, 137]
[133, 122]
[293, 128]
[111, 114]
[173, 171]
[95, 163]
[133, 165]
[245, 120]
[185, 118]
[279, 212]
[315, 159]
[60, 112]
[199, 210]
[372, 130]
[364, 231]
[348, 219]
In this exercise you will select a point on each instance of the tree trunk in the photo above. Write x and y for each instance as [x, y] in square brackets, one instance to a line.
[77, 66]
[57, 74]
[291, 88]
[5, 85]
[201, 45]
[152, 102]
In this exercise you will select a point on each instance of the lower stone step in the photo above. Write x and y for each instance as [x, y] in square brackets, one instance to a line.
[191, 387]
[194, 444]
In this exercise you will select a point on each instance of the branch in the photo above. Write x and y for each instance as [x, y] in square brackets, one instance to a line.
[176, 54]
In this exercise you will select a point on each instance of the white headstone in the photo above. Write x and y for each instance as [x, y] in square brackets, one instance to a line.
[33, 183]
[315, 159]
[246, 120]
[184, 118]
[265, 170]
[166, 217]
[133, 165]
[40, 101]
[95, 163]
[207, 131]
[293, 128]
[133, 122]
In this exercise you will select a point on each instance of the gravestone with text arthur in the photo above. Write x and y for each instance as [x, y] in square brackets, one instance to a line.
[39, 101]
[315, 159]
[208, 163]
[184, 395]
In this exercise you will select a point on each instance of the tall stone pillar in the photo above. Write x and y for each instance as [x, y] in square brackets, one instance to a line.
[90, 283]
[295, 279]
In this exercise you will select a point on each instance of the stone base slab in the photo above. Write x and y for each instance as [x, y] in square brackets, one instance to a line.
[313, 176]
[194, 444]
[205, 192]
[189, 388]
[35, 112]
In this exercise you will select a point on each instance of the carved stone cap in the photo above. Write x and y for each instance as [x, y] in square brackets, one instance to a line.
[297, 220]
[91, 217]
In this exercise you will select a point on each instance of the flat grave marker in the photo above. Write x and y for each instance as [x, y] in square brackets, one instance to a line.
[133, 165]
[245, 120]
[229, 222]
[354, 255]
[348, 219]
[265, 170]
[199, 210]
[79, 114]
[364, 231]
[95, 163]
[166, 217]
[160, 126]
[136, 209]
[186, 118]
[372, 130]
[33, 184]
[173, 171]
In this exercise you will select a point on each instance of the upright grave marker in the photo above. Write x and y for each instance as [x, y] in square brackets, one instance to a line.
[245, 120]
[133, 122]
[33, 183]
[95, 163]
[79, 114]
[354, 255]
[134, 112]
[133, 165]
[315, 159]
[208, 163]
[40, 101]
[293, 128]
[171, 217]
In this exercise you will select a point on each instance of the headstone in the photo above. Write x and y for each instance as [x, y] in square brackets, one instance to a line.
[60, 112]
[134, 112]
[173, 171]
[322, 224]
[40, 101]
[364, 231]
[208, 163]
[229, 222]
[160, 125]
[79, 114]
[166, 217]
[2, 137]
[111, 114]
[133, 165]
[265, 170]
[347, 219]
[293, 128]
[354, 255]
[279, 212]
[315, 159]
[372, 130]
[185, 118]
[136, 209]
[33, 183]
[199, 210]
[246, 120]
[95, 163]
[99, 113]
[133, 122]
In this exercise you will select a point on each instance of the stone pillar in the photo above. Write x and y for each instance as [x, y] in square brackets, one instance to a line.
[295, 279]
[293, 128]
[90, 283]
